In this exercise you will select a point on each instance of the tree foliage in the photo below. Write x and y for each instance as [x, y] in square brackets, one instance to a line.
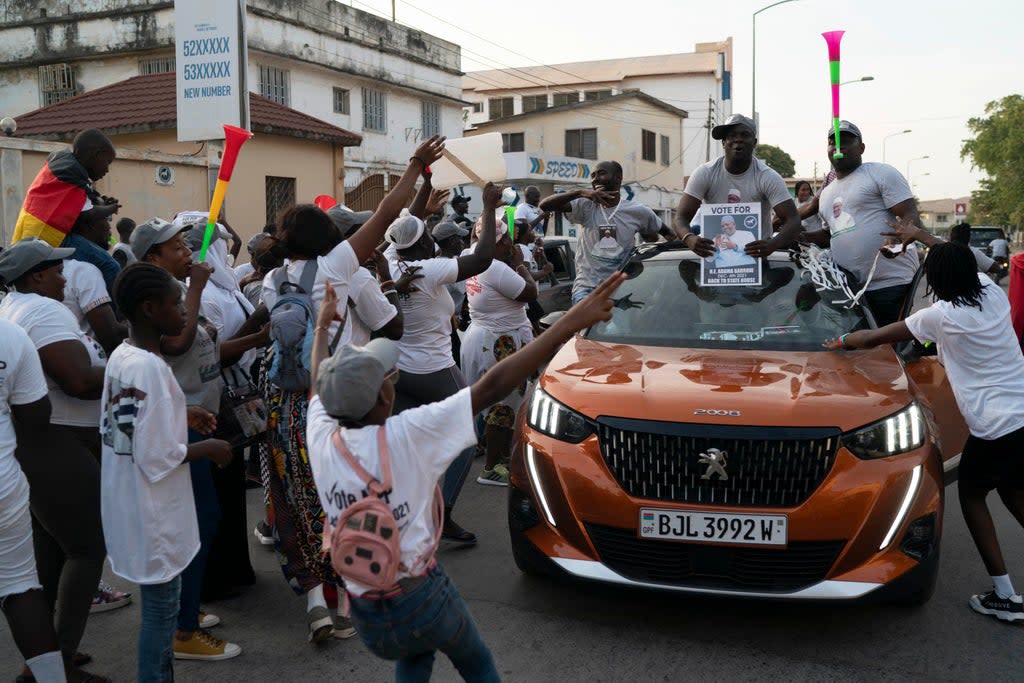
[997, 149]
[777, 159]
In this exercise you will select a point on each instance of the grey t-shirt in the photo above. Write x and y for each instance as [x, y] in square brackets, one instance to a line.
[608, 236]
[711, 183]
[856, 210]
[198, 369]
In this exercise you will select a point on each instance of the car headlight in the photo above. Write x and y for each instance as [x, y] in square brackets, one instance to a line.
[554, 419]
[896, 434]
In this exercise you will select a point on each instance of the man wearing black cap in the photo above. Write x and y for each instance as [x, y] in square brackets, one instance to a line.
[738, 173]
[856, 210]
[460, 205]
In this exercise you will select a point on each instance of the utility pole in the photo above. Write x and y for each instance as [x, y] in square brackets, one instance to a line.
[711, 108]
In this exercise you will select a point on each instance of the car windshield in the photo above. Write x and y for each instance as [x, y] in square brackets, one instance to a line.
[980, 237]
[663, 304]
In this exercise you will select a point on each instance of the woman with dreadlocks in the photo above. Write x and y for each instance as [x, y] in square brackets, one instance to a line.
[969, 322]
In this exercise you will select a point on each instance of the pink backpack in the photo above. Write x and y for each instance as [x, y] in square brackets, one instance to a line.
[364, 545]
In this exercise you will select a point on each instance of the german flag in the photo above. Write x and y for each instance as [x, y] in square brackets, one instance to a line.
[54, 200]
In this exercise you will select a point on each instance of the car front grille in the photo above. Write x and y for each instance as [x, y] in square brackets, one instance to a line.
[769, 570]
[765, 466]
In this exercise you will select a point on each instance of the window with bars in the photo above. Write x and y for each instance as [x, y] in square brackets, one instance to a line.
[341, 105]
[430, 116]
[592, 95]
[648, 142]
[581, 143]
[500, 107]
[56, 83]
[275, 84]
[280, 195]
[535, 103]
[563, 98]
[156, 65]
[513, 142]
[375, 110]
[665, 161]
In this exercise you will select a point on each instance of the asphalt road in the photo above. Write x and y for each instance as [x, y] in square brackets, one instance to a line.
[544, 630]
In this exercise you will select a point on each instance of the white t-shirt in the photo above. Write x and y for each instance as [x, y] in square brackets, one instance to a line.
[421, 441]
[427, 310]
[84, 291]
[1000, 247]
[711, 183]
[608, 236]
[21, 382]
[530, 214]
[227, 312]
[242, 270]
[982, 259]
[492, 303]
[149, 514]
[528, 258]
[371, 309]
[862, 200]
[727, 258]
[338, 266]
[47, 321]
[813, 222]
[979, 350]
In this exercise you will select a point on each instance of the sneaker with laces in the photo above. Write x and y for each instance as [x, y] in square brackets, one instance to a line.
[495, 476]
[320, 624]
[1006, 609]
[207, 620]
[263, 533]
[107, 598]
[343, 628]
[204, 647]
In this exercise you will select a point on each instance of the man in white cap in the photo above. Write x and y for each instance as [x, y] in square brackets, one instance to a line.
[738, 176]
[353, 397]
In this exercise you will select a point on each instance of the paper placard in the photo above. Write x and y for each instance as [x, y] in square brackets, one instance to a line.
[731, 227]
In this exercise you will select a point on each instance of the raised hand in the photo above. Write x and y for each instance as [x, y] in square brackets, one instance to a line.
[596, 307]
[438, 200]
[329, 308]
[492, 196]
[403, 285]
[430, 149]
[902, 231]
[199, 274]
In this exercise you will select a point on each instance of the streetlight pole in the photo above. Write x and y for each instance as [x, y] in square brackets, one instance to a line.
[912, 161]
[902, 132]
[753, 57]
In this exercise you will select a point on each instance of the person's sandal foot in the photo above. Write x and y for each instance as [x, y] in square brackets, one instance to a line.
[456, 534]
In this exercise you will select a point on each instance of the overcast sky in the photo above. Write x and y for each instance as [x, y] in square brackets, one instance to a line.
[935, 63]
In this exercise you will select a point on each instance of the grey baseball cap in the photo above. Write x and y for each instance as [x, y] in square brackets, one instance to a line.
[349, 381]
[446, 229]
[345, 219]
[23, 256]
[845, 127]
[151, 233]
[720, 131]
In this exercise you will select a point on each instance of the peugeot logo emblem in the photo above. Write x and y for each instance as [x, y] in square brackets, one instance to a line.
[716, 462]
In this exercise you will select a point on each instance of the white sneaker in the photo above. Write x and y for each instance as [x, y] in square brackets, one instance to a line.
[207, 620]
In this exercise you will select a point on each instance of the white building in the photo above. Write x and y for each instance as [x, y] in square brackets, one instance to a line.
[358, 71]
[699, 82]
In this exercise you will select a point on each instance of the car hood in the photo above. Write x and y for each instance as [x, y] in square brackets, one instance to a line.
[768, 388]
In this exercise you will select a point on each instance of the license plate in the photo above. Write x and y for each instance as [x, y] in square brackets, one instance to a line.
[713, 527]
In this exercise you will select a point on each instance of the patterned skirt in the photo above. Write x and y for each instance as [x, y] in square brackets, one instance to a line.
[481, 350]
[291, 493]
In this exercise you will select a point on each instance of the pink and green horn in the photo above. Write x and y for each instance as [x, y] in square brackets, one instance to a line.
[833, 38]
[234, 138]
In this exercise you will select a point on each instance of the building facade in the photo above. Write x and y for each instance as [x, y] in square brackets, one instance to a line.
[389, 83]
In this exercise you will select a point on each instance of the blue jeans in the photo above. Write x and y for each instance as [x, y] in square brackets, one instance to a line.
[156, 635]
[90, 253]
[208, 517]
[580, 293]
[412, 627]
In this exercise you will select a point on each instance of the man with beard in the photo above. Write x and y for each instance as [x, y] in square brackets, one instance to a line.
[738, 171]
[610, 224]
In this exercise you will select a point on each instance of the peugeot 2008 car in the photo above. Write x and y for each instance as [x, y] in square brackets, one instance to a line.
[702, 440]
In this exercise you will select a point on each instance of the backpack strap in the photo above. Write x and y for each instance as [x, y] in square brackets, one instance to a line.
[373, 485]
[308, 279]
[279, 276]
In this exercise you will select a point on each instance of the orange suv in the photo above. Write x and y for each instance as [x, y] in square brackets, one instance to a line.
[702, 440]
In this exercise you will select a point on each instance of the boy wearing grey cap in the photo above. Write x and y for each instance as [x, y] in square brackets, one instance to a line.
[353, 395]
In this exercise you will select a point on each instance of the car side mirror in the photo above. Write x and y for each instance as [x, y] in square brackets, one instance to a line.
[550, 319]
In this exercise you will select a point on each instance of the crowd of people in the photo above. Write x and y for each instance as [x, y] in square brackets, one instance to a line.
[141, 387]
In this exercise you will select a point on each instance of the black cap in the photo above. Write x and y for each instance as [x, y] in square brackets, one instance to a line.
[720, 131]
[845, 127]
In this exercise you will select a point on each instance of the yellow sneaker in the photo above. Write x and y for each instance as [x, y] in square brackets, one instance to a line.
[202, 646]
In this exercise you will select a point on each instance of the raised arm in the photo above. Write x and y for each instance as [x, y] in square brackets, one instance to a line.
[327, 315]
[370, 233]
[514, 370]
[199, 275]
[418, 207]
[479, 260]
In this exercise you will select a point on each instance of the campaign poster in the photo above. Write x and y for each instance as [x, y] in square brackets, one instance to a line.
[731, 227]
